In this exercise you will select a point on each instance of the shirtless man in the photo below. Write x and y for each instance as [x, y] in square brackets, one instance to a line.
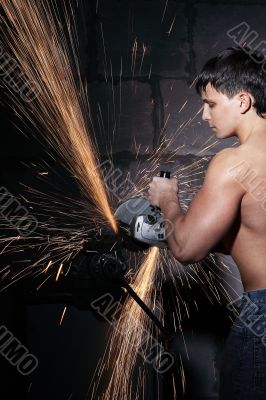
[230, 208]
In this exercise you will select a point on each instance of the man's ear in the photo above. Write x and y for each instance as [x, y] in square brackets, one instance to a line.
[246, 101]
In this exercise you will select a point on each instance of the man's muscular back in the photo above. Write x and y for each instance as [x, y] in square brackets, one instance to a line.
[246, 241]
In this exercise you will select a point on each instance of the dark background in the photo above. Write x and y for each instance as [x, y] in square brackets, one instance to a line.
[132, 105]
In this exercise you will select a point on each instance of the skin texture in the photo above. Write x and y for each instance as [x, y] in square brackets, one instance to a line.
[230, 208]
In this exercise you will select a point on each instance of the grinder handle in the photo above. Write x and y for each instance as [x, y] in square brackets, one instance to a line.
[165, 174]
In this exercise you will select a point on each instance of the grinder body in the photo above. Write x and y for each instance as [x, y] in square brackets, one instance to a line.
[142, 221]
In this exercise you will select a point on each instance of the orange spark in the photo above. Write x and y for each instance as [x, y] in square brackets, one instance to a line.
[58, 272]
[62, 316]
[39, 44]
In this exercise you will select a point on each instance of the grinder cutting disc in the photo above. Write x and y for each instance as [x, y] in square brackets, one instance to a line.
[144, 222]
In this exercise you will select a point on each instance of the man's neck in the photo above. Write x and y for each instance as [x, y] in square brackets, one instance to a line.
[251, 129]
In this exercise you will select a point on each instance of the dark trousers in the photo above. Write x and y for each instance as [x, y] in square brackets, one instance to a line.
[243, 369]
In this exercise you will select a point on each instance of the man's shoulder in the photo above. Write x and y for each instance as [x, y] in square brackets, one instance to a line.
[224, 166]
[227, 155]
[224, 160]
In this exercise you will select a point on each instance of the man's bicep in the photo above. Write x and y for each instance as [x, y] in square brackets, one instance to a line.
[211, 213]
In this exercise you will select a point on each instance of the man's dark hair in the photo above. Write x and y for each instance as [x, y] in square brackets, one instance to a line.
[235, 69]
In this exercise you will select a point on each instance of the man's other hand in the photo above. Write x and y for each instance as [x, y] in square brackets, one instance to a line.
[162, 189]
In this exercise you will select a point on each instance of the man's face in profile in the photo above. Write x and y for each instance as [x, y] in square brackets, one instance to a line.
[220, 111]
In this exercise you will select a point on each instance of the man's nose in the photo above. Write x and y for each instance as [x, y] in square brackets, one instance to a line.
[205, 114]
